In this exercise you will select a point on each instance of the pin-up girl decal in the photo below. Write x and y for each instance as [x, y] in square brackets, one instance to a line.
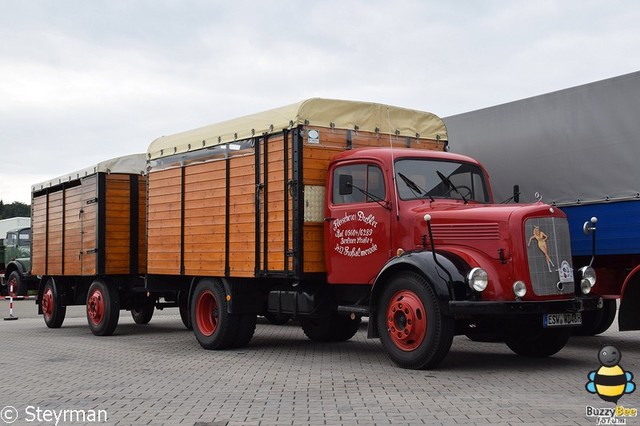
[541, 237]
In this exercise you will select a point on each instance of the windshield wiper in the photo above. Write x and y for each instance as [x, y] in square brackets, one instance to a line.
[413, 187]
[381, 201]
[450, 184]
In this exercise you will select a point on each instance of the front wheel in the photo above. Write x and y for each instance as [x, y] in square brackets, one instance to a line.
[53, 311]
[16, 284]
[414, 332]
[103, 308]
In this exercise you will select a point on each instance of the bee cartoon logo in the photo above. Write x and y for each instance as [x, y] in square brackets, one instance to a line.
[610, 381]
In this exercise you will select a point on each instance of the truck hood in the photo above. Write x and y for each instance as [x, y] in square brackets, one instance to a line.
[484, 227]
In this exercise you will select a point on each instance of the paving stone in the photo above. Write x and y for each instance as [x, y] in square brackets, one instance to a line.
[158, 374]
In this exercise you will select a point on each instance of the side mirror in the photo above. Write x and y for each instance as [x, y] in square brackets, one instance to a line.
[516, 193]
[345, 184]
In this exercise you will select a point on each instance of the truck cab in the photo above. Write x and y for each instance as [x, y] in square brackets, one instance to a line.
[405, 220]
[17, 261]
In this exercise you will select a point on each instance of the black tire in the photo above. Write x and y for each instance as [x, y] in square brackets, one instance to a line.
[183, 308]
[53, 311]
[277, 319]
[143, 312]
[333, 328]
[609, 308]
[19, 286]
[103, 308]
[246, 328]
[213, 325]
[413, 331]
[534, 341]
[598, 321]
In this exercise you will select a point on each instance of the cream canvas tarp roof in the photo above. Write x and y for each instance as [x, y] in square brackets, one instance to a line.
[341, 114]
[129, 164]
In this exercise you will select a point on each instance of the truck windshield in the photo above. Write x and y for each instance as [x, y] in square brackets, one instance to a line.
[440, 179]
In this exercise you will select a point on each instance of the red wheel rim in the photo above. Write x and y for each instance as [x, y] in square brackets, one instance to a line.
[47, 304]
[406, 320]
[207, 313]
[95, 307]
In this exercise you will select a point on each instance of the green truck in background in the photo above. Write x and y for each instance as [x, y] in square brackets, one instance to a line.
[15, 256]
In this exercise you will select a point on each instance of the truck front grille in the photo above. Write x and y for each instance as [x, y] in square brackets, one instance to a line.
[549, 255]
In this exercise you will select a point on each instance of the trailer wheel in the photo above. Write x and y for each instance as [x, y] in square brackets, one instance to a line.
[103, 308]
[534, 341]
[413, 331]
[143, 312]
[19, 287]
[334, 328]
[53, 311]
[183, 308]
[213, 325]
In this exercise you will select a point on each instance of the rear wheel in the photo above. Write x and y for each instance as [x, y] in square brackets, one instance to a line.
[53, 311]
[413, 331]
[143, 311]
[334, 328]
[183, 299]
[15, 282]
[103, 308]
[213, 325]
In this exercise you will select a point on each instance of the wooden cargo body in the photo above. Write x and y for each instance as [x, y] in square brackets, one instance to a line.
[245, 198]
[92, 222]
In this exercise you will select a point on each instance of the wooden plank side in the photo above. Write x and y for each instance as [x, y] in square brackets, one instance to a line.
[142, 224]
[117, 224]
[242, 238]
[54, 237]
[164, 222]
[72, 229]
[38, 234]
[204, 239]
[89, 226]
[314, 248]
[276, 180]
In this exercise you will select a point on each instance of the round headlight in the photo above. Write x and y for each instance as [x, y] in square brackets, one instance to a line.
[519, 288]
[585, 287]
[589, 274]
[478, 279]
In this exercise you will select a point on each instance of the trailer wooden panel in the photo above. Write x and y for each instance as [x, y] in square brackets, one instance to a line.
[91, 223]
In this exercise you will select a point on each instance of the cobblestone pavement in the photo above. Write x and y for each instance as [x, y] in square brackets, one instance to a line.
[158, 374]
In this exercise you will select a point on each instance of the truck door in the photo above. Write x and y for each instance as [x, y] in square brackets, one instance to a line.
[357, 226]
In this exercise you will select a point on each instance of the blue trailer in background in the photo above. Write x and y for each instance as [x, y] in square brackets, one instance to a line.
[577, 149]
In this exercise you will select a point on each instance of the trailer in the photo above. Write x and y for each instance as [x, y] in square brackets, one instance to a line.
[89, 244]
[575, 148]
[327, 211]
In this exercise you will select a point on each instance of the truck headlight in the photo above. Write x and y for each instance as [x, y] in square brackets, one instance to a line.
[587, 279]
[478, 279]
[519, 288]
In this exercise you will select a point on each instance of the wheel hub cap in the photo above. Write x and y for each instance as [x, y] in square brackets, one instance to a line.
[406, 320]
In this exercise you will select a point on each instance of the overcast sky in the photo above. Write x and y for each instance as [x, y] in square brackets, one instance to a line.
[83, 81]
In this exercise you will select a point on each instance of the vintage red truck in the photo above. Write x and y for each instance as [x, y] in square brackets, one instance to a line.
[325, 211]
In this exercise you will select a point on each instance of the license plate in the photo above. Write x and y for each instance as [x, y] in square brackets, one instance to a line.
[562, 320]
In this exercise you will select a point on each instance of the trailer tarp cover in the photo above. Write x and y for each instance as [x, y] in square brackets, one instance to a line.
[129, 164]
[340, 114]
[574, 146]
